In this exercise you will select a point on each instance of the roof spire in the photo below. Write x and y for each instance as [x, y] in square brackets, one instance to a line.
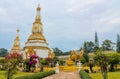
[18, 30]
[38, 13]
[16, 44]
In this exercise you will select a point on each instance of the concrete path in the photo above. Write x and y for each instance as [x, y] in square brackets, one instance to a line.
[64, 75]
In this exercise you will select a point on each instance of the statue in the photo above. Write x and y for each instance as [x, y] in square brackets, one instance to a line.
[73, 55]
[57, 68]
[69, 62]
[81, 53]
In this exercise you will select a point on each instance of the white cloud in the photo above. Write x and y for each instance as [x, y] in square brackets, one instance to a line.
[82, 6]
[114, 21]
[93, 1]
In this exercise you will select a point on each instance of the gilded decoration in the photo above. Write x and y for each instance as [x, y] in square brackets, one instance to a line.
[30, 52]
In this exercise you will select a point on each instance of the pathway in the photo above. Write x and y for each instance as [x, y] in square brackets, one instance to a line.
[64, 75]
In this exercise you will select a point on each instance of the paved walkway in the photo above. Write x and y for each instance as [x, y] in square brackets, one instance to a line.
[64, 75]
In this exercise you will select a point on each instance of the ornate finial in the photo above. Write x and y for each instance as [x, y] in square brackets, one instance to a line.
[18, 30]
[38, 8]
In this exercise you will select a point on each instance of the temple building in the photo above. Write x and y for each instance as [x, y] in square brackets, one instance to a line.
[16, 45]
[36, 42]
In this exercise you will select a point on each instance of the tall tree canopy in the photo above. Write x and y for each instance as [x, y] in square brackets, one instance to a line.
[107, 45]
[88, 46]
[3, 52]
[102, 59]
[96, 40]
[118, 44]
[57, 51]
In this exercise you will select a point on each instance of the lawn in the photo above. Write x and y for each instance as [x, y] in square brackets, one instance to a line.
[111, 75]
[2, 74]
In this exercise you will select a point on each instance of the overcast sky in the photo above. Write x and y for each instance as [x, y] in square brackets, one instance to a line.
[66, 23]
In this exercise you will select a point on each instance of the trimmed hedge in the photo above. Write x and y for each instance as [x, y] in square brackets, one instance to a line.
[39, 75]
[84, 75]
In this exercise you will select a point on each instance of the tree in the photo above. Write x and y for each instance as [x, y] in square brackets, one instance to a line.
[114, 59]
[34, 59]
[96, 40]
[85, 55]
[118, 44]
[96, 47]
[13, 59]
[3, 52]
[66, 53]
[91, 64]
[88, 46]
[83, 60]
[57, 51]
[102, 59]
[107, 45]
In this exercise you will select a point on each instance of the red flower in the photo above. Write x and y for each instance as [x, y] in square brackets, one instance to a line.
[14, 55]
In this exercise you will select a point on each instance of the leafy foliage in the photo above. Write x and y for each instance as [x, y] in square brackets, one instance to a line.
[88, 46]
[3, 52]
[30, 63]
[83, 60]
[57, 51]
[102, 59]
[3, 64]
[84, 75]
[118, 44]
[13, 58]
[114, 59]
[107, 45]
[96, 41]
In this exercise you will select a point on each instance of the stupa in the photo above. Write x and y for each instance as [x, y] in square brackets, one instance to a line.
[36, 43]
[16, 45]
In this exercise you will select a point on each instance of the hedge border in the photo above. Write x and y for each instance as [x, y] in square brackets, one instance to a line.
[39, 75]
[84, 75]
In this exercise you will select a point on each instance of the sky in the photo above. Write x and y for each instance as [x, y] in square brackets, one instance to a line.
[66, 23]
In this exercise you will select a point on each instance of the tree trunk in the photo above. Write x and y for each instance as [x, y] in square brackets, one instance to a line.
[105, 75]
[91, 68]
[112, 67]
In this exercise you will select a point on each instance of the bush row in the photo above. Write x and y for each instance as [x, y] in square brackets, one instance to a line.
[39, 75]
[84, 75]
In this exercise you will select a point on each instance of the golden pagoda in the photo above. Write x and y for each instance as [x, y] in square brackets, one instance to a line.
[36, 42]
[16, 45]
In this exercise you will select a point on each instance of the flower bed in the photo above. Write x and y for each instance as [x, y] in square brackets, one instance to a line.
[39, 75]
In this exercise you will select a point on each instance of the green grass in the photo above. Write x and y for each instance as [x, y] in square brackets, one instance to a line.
[2, 74]
[111, 75]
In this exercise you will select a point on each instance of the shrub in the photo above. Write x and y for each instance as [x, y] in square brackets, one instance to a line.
[84, 75]
[86, 70]
[39, 75]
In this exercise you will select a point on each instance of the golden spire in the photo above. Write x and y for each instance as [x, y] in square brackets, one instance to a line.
[16, 44]
[18, 32]
[38, 18]
[37, 30]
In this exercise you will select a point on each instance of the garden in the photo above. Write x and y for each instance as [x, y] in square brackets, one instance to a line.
[14, 66]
